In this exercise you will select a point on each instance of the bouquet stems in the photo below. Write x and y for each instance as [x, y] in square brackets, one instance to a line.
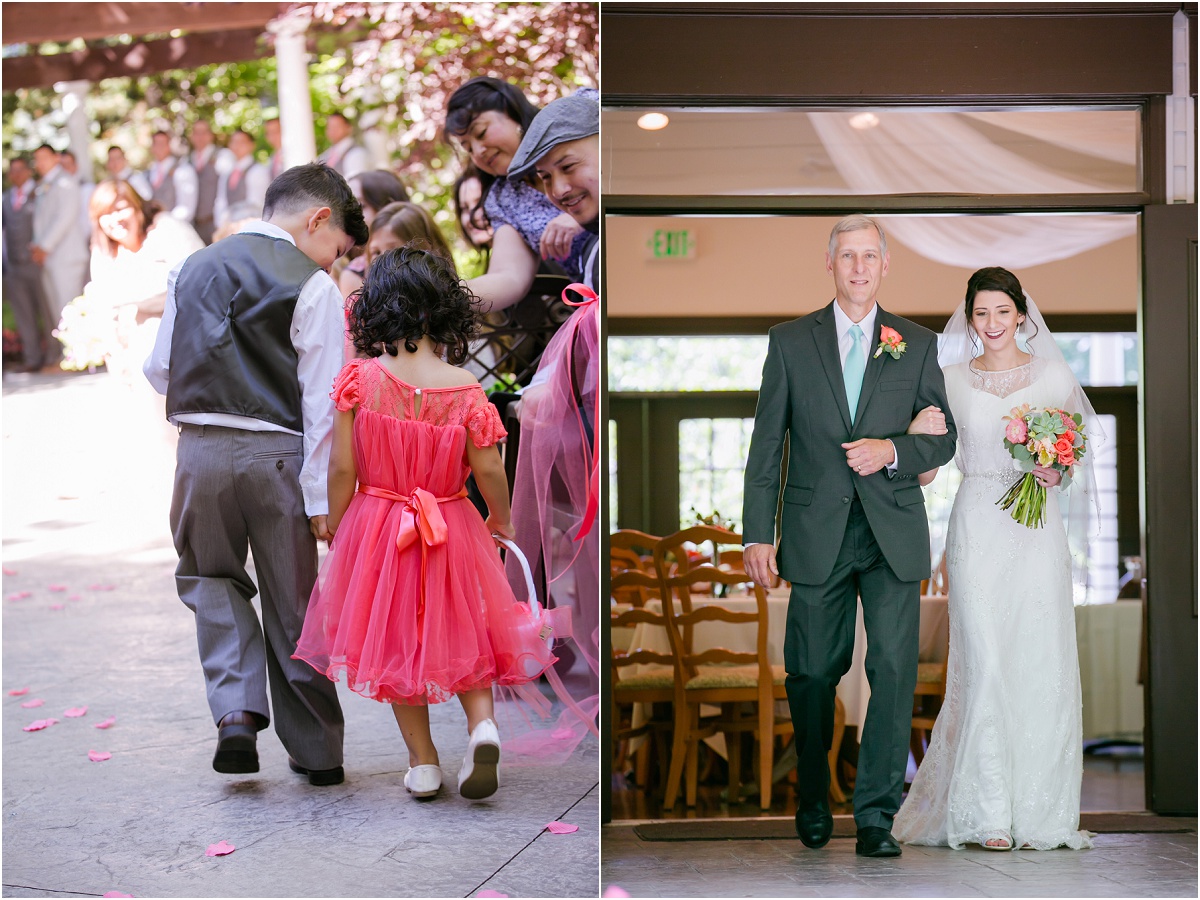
[1027, 499]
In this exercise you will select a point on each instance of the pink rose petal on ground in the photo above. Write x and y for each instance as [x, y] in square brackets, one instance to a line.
[116, 894]
[18, 692]
[56, 588]
[76, 597]
[490, 893]
[107, 723]
[220, 848]
[75, 712]
[102, 587]
[8, 571]
[99, 755]
[32, 704]
[614, 891]
[57, 606]
[561, 828]
[20, 595]
[40, 724]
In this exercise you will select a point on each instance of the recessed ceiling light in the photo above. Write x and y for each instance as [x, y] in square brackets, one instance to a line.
[864, 120]
[653, 121]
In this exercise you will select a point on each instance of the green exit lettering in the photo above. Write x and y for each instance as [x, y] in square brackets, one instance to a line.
[668, 244]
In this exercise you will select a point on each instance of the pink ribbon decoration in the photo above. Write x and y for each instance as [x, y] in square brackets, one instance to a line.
[592, 300]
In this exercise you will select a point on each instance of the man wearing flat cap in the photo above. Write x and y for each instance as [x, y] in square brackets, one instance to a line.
[562, 144]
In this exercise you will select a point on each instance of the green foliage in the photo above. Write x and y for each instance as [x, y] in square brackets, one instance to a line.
[390, 66]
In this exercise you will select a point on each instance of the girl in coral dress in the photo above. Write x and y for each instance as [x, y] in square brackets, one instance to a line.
[412, 602]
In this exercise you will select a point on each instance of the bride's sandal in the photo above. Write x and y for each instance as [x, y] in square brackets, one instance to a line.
[1002, 842]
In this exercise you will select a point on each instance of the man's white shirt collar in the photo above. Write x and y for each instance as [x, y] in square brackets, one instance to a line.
[843, 323]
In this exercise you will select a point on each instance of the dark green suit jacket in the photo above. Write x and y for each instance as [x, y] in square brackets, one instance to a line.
[803, 396]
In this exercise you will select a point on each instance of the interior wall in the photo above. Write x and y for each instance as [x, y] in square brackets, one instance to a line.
[775, 266]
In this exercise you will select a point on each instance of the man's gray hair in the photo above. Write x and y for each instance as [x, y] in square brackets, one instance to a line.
[856, 222]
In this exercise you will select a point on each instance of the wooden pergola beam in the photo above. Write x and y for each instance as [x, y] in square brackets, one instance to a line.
[145, 58]
[33, 23]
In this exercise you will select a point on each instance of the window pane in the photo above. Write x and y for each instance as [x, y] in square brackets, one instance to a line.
[712, 460]
[774, 151]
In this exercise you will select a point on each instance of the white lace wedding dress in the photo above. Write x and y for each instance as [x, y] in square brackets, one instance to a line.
[1005, 756]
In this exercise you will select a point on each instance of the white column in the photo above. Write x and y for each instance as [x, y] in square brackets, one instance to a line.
[74, 95]
[1181, 120]
[295, 102]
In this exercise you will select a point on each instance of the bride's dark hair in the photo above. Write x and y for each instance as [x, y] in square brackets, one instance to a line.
[995, 278]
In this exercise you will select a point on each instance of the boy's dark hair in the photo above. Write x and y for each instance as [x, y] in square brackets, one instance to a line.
[316, 184]
[410, 293]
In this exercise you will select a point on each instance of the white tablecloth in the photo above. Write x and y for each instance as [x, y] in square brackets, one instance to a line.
[852, 689]
[1109, 637]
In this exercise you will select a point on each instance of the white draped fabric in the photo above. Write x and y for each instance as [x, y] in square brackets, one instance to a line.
[946, 155]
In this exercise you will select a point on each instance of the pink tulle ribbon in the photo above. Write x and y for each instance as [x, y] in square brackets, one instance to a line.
[592, 510]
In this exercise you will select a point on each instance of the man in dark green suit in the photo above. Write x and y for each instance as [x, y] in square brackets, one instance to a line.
[843, 384]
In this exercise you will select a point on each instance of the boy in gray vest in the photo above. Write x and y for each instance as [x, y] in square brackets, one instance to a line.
[249, 345]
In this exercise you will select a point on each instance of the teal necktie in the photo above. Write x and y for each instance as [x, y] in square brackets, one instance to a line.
[853, 369]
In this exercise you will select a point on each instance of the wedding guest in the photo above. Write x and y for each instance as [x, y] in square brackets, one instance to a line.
[468, 212]
[250, 392]
[375, 189]
[118, 167]
[71, 166]
[59, 245]
[173, 183]
[562, 146]
[245, 182]
[273, 133]
[211, 164]
[344, 155]
[486, 118]
[23, 289]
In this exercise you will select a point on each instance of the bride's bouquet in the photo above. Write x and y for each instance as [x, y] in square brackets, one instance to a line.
[1049, 437]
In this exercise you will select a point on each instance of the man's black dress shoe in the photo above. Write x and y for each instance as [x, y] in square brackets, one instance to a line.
[814, 824]
[319, 777]
[876, 841]
[237, 744]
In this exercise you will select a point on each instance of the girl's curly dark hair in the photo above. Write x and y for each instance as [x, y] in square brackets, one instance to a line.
[409, 293]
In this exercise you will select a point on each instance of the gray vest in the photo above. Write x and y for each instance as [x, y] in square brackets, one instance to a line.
[236, 193]
[18, 227]
[206, 188]
[231, 347]
[164, 194]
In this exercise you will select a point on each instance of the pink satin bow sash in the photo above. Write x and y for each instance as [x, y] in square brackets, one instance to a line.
[421, 516]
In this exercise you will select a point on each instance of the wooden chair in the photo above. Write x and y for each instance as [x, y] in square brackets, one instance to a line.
[671, 556]
[725, 678]
[927, 702]
[653, 685]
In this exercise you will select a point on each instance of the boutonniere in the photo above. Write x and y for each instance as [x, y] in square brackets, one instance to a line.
[890, 341]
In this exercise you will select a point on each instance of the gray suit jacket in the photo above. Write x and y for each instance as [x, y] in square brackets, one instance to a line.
[803, 397]
[56, 226]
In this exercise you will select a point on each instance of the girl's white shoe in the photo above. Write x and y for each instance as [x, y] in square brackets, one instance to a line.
[423, 781]
[479, 776]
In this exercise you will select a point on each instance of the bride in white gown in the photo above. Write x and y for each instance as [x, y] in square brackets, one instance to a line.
[1004, 764]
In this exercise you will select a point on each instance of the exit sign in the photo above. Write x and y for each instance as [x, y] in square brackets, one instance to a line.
[668, 243]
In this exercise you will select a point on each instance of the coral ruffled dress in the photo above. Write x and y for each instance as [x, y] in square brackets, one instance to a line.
[412, 602]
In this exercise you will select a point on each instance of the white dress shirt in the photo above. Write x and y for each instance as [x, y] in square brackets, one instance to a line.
[845, 342]
[187, 186]
[317, 335]
[137, 180]
[354, 159]
[257, 179]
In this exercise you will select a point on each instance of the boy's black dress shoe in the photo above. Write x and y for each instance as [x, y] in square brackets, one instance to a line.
[814, 824]
[319, 777]
[876, 841]
[237, 744]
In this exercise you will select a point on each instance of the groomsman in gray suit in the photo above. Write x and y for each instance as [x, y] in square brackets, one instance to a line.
[210, 163]
[173, 184]
[59, 242]
[343, 154]
[273, 132]
[22, 276]
[118, 167]
[245, 182]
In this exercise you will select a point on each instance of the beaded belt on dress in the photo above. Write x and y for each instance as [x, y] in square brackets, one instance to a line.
[1005, 476]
